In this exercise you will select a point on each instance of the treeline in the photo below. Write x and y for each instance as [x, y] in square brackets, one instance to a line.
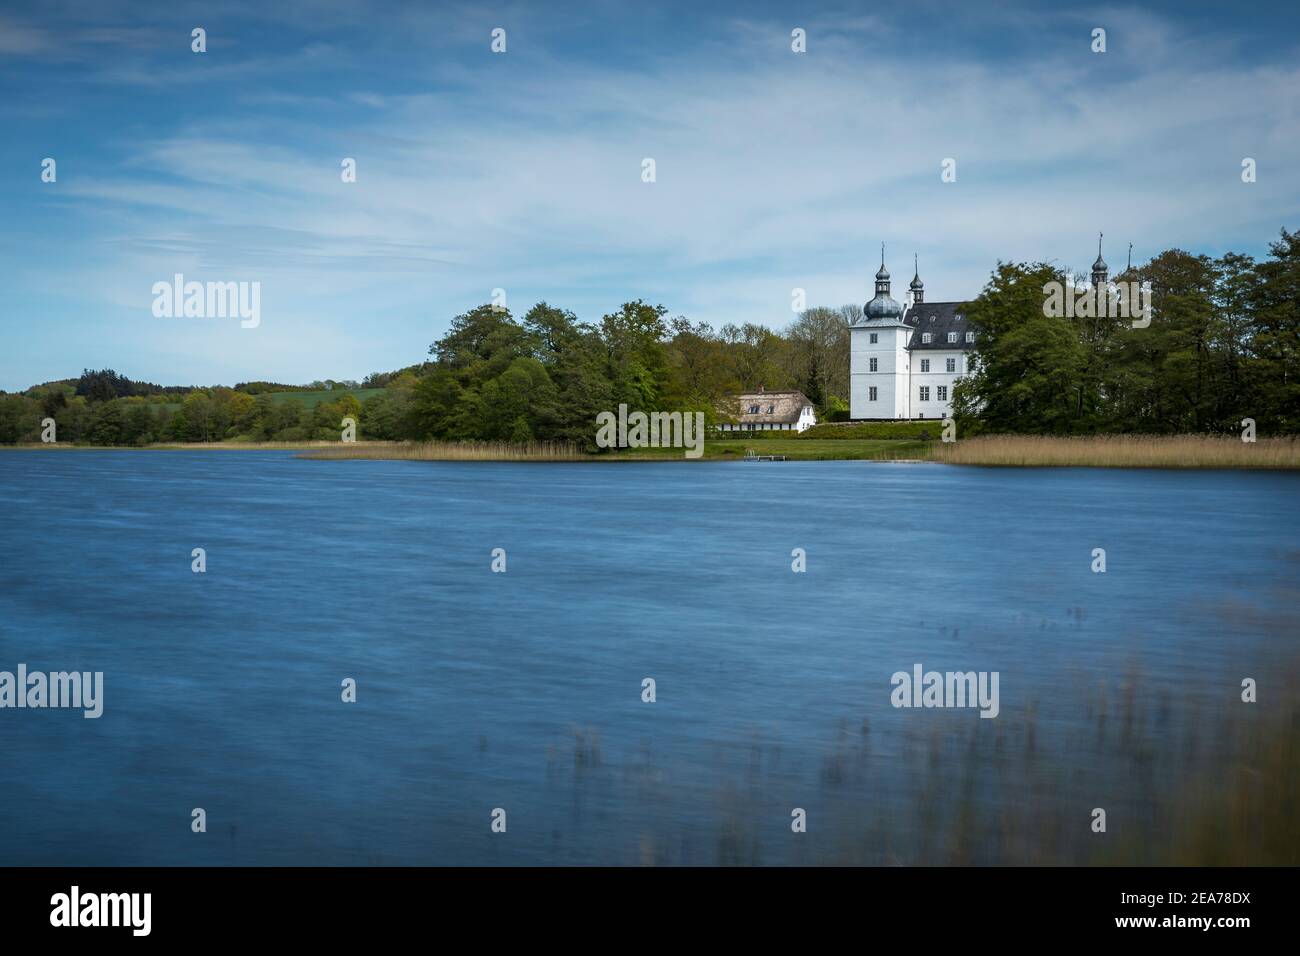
[544, 377]
[1223, 345]
[100, 386]
[547, 376]
[203, 415]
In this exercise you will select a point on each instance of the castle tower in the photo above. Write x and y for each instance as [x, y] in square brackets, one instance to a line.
[878, 356]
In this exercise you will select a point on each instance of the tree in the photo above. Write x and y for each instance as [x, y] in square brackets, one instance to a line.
[818, 354]
[1027, 368]
[1276, 341]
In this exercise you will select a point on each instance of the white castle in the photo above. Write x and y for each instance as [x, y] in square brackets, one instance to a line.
[904, 362]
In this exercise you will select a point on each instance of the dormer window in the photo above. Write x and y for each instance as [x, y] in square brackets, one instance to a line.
[925, 338]
[970, 336]
[933, 317]
[952, 336]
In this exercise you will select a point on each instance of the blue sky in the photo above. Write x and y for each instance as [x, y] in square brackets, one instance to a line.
[522, 170]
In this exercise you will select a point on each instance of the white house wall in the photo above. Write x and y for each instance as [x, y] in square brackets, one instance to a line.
[937, 377]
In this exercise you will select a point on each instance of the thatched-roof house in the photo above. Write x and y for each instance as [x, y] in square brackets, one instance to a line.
[771, 411]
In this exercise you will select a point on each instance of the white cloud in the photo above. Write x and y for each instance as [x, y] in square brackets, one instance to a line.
[774, 170]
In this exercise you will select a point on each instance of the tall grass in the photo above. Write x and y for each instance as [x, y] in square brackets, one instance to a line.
[1121, 451]
[452, 451]
[1195, 781]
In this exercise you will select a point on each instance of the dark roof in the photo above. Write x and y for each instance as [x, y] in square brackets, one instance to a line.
[939, 318]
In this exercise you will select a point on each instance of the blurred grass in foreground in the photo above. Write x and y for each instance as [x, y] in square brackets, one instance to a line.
[1183, 783]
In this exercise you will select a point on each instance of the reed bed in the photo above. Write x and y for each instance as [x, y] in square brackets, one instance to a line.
[451, 451]
[260, 445]
[1120, 451]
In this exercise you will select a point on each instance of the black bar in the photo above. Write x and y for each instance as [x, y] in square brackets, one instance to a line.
[921, 904]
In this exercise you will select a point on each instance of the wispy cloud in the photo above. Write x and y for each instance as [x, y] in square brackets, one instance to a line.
[774, 169]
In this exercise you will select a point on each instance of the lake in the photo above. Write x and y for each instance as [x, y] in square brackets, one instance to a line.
[522, 690]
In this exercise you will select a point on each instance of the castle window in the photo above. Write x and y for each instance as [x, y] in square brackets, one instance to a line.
[970, 336]
[925, 365]
[952, 336]
[871, 394]
[942, 392]
[925, 393]
[952, 365]
[874, 338]
[872, 366]
[753, 409]
[925, 338]
[771, 409]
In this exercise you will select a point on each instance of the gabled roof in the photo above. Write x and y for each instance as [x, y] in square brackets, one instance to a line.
[938, 318]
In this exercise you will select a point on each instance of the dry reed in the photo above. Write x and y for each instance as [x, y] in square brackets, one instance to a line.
[452, 451]
[1121, 451]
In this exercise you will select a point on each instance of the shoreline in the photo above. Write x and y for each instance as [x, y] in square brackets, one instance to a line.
[1170, 453]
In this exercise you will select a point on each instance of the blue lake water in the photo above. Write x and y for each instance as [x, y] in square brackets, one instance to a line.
[478, 690]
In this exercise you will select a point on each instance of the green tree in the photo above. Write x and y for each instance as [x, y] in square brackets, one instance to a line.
[1027, 367]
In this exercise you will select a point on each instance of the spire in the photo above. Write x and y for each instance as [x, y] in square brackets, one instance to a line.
[917, 286]
[1129, 266]
[883, 273]
[1099, 268]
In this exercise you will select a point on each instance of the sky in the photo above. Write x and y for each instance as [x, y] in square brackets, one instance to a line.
[523, 170]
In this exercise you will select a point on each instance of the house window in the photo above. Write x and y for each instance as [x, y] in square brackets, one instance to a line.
[925, 393]
[970, 336]
[871, 367]
[874, 338]
[871, 394]
[925, 338]
[952, 336]
[942, 392]
[771, 409]
[753, 409]
[952, 365]
[925, 365]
